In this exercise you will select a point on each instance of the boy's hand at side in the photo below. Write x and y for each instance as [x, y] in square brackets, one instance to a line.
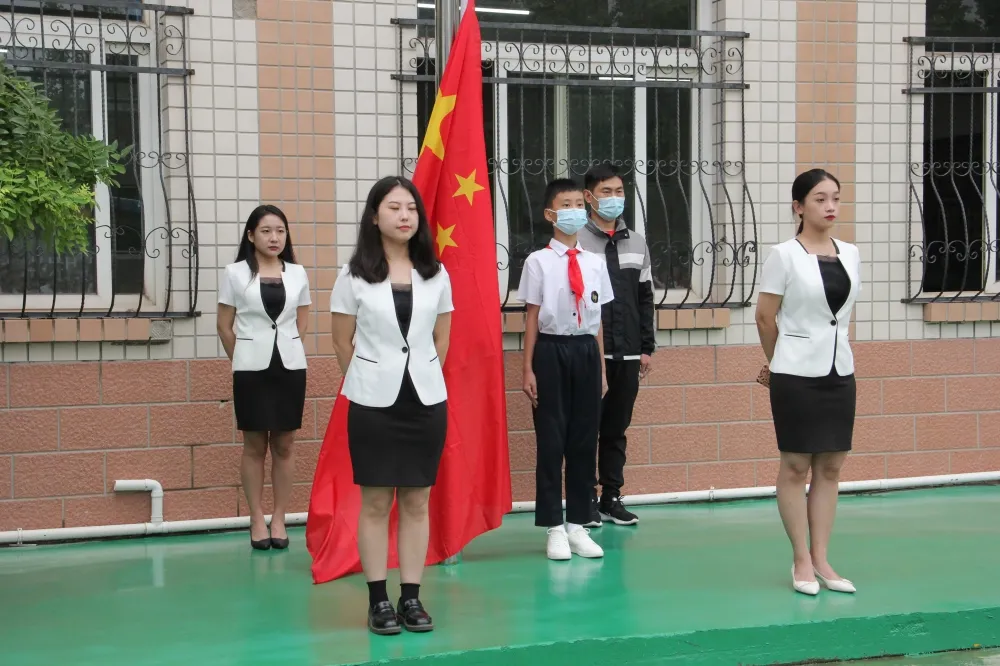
[531, 388]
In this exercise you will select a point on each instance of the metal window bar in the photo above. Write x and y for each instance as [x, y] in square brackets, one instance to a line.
[118, 70]
[665, 106]
[954, 191]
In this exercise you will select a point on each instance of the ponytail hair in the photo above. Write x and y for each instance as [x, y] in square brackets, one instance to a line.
[805, 183]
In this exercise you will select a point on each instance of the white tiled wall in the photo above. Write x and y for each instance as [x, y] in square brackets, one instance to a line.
[224, 116]
[226, 161]
[366, 103]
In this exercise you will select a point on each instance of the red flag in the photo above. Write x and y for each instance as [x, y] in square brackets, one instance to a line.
[473, 485]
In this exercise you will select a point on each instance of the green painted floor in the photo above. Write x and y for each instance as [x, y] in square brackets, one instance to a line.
[692, 584]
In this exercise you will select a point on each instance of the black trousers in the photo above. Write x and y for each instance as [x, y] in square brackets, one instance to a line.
[568, 375]
[616, 416]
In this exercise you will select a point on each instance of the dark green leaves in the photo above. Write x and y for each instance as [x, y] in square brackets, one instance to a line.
[47, 175]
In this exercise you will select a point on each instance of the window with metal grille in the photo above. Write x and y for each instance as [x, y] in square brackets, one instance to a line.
[110, 69]
[953, 182]
[564, 90]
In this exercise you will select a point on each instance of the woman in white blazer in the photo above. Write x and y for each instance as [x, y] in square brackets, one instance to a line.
[391, 310]
[808, 288]
[263, 311]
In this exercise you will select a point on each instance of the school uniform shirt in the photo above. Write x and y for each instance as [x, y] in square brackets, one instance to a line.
[255, 332]
[545, 283]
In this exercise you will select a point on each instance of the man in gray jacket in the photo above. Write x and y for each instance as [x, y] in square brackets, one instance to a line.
[629, 332]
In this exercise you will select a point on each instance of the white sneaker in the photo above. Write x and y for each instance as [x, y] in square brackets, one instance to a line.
[581, 544]
[558, 546]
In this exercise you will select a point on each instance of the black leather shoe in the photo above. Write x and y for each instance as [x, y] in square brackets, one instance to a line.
[413, 616]
[263, 544]
[279, 544]
[382, 619]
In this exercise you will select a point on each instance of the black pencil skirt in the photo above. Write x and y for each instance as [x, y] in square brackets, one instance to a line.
[269, 400]
[398, 446]
[813, 414]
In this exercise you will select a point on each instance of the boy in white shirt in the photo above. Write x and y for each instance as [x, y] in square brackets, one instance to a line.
[564, 288]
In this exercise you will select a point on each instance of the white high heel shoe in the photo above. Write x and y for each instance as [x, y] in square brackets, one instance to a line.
[811, 588]
[840, 585]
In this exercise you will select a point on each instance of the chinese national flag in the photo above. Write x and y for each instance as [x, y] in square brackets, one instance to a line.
[473, 491]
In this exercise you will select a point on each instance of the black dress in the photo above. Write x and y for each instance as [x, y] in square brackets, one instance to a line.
[816, 414]
[272, 399]
[398, 446]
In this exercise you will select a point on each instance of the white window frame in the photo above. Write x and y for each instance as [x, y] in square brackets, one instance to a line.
[154, 206]
[991, 182]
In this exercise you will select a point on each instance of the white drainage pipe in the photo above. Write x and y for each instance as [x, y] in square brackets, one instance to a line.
[146, 486]
[158, 526]
[763, 492]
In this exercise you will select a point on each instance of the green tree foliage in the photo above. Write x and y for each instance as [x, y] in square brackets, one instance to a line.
[47, 175]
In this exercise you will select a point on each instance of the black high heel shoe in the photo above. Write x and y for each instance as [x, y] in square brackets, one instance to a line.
[279, 544]
[260, 544]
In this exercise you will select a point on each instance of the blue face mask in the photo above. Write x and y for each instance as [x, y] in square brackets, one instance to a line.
[571, 220]
[611, 208]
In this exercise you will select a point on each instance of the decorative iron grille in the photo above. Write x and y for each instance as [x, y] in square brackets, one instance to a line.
[954, 197]
[664, 106]
[117, 70]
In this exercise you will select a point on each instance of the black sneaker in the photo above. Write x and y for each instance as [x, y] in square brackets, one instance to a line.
[614, 510]
[595, 515]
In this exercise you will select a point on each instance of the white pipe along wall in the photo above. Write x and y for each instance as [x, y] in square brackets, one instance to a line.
[158, 526]
[150, 486]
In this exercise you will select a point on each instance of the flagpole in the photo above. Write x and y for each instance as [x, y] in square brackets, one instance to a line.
[446, 17]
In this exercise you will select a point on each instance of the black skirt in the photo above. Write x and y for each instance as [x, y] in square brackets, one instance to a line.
[269, 400]
[398, 446]
[813, 414]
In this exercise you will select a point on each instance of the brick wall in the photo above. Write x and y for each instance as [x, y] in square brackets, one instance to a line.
[68, 431]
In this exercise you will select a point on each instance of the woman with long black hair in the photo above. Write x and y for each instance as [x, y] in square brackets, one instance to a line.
[263, 312]
[391, 310]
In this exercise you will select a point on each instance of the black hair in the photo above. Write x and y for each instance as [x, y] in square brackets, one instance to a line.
[560, 186]
[600, 173]
[247, 252]
[368, 261]
[805, 183]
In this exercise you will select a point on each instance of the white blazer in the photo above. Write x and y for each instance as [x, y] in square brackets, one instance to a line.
[255, 332]
[381, 353]
[811, 338]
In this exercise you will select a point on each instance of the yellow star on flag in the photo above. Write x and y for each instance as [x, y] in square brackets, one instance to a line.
[468, 186]
[432, 137]
[444, 238]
